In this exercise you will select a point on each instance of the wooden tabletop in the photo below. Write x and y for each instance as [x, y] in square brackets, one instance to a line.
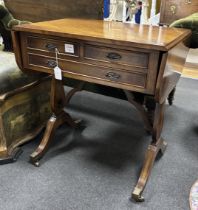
[143, 36]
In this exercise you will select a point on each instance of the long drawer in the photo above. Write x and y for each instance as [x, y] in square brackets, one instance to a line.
[72, 69]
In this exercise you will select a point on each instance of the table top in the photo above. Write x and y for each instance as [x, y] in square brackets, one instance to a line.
[128, 34]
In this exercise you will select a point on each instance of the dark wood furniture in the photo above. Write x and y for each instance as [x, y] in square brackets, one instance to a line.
[144, 61]
[172, 10]
[24, 107]
[24, 99]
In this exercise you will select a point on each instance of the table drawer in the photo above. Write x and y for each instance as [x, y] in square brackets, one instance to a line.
[70, 68]
[111, 55]
[49, 45]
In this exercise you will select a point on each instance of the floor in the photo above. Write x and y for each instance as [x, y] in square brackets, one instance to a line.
[191, 67]
[96, 166]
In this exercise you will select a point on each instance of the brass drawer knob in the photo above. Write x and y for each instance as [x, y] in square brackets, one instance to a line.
[113, 75]
[51, 64]
[114, 56]
[50, 47]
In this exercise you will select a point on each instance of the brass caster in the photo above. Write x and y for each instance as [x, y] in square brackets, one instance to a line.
[138, 198]
[34, 162]
[37, 163]
[163, 147]
[136, 195]
[78, 123]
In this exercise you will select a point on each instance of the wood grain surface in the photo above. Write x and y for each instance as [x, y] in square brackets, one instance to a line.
[143, 36]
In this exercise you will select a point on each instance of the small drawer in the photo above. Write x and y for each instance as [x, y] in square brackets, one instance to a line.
[98, 74]
[49, 45]
[122, 57]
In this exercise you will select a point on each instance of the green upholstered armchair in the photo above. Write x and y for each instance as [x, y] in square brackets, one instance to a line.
[190, 22]
[24, 99]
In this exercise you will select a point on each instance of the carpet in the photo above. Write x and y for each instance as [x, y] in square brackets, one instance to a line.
[193, 199]
[97, 166]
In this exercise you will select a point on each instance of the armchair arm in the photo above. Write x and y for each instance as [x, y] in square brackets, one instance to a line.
[190, 22]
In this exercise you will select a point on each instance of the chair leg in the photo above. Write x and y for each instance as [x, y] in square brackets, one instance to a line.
[171, 96]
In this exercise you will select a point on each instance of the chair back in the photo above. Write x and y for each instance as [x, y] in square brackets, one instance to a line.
[172, 10]
[42, 10]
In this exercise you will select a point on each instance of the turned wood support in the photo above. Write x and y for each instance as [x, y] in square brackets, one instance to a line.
[157, 144]
[59, 117]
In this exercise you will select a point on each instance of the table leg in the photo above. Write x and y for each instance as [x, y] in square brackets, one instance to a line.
[157, 145]
[141, 109]
[58, 118]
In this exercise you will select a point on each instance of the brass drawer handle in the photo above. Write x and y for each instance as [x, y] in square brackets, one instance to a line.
[114, 56]
[113, 75]
[51, 63]
[50, 47]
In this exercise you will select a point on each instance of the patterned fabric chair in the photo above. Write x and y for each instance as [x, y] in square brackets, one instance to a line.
[30, 95]
[24, 101]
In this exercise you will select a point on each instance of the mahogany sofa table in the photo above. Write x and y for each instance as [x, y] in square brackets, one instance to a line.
[144, 61]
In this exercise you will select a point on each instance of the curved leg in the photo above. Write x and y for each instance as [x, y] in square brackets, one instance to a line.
[171, 96]
[152, 114]
[53, 123]
[141, 110]
[150, 157]
[58, 118]
[157, 144]
[11, 156]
